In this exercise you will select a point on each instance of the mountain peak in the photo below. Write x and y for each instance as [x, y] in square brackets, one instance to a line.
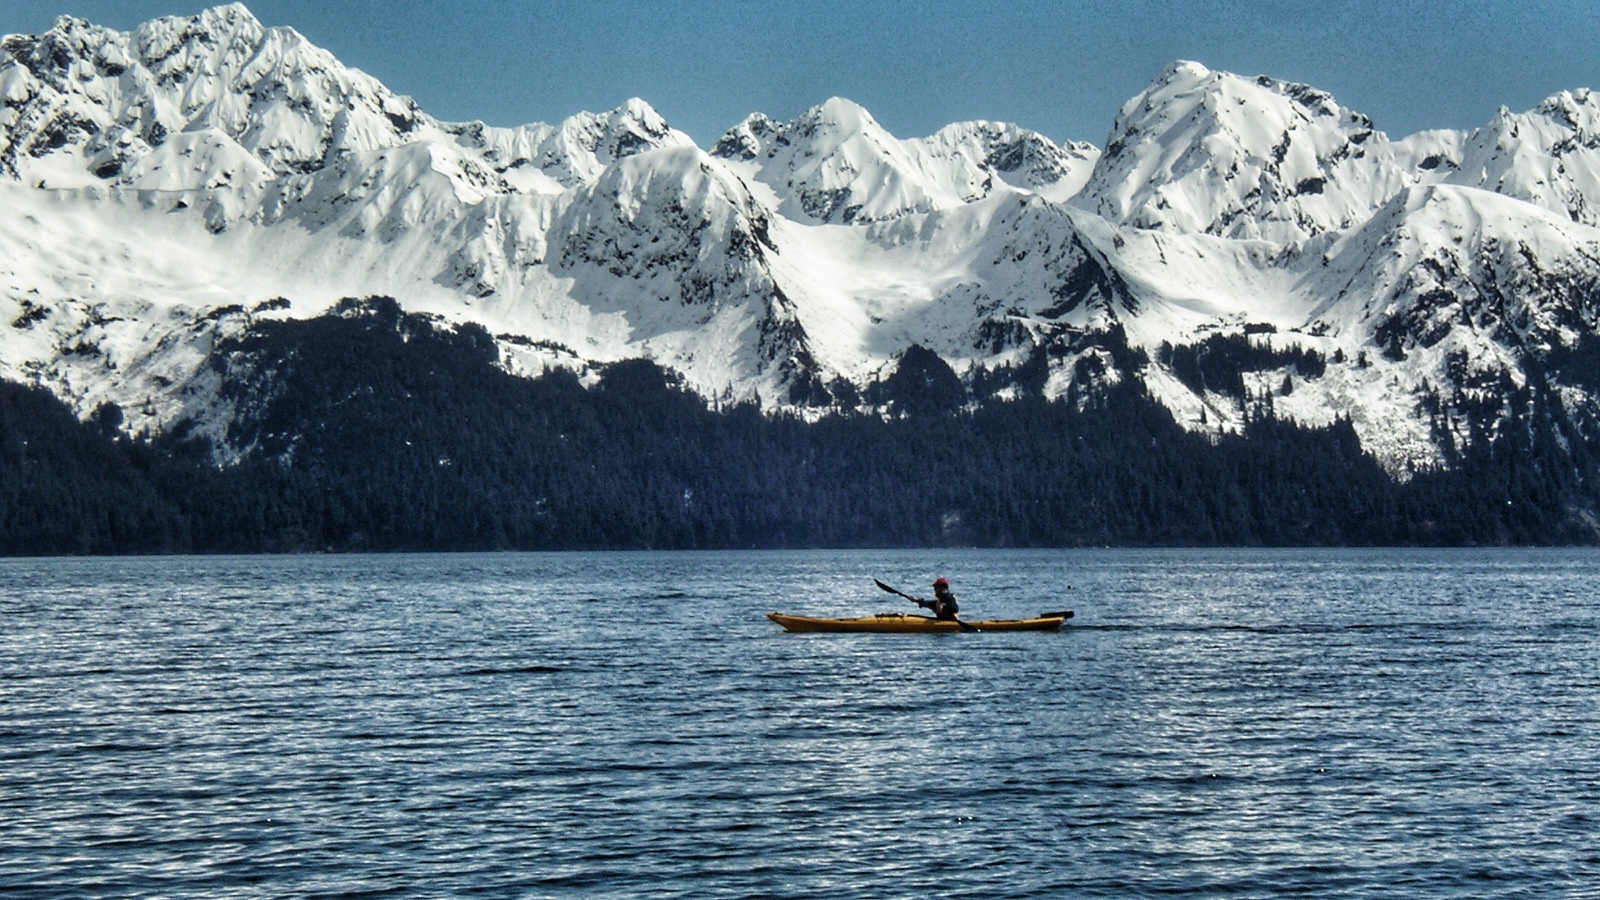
[227, 15]
[1182, 70]
[1549, 155]
[584, 144]
[1218, 153]
[847, 114]
[213, 25]
[1022, 158]
[638, 110]
[833, 123]
[746, 139]
[631, 127]
[1578, 109]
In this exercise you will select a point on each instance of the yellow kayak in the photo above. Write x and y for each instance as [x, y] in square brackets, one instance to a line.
[898, 623]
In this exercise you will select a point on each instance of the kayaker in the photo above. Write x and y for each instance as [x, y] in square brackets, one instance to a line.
[943, 603]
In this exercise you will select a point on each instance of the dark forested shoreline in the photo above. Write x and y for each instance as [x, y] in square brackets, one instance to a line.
[378, 431]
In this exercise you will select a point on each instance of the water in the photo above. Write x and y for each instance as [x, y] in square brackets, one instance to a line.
[1248, 723]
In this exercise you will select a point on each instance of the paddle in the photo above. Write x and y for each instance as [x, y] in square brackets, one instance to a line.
[964, 625]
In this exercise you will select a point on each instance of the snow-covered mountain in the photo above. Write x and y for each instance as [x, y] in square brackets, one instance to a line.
[163, 188]
[834, 163]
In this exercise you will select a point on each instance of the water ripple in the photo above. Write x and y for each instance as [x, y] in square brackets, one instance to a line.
[1332, 723]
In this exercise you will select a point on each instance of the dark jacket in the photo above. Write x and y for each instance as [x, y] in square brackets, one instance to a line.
[943, 607]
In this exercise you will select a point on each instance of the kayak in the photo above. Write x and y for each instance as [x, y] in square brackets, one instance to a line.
[899, 623]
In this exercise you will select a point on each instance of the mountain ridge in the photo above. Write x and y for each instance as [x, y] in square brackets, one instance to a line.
[165, 187]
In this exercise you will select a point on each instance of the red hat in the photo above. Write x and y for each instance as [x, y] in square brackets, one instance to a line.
[941, 582]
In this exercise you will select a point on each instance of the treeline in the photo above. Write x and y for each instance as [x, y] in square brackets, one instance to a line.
[1219, 362]
[369, 429]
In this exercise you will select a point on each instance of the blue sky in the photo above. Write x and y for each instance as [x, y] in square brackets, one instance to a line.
[1061, 68]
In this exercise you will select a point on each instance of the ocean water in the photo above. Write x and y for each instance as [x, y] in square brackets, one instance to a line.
[1366, 723]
